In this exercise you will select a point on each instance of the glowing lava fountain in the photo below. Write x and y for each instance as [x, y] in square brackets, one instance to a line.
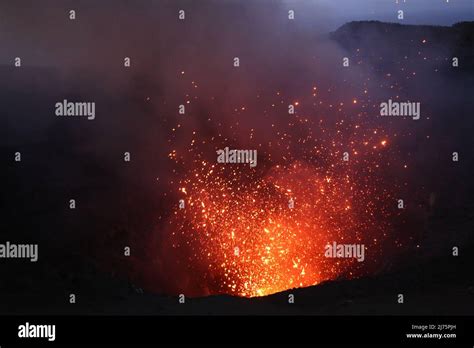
[251, 236]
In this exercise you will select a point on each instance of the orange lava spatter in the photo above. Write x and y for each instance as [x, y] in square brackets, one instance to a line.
[258, 237]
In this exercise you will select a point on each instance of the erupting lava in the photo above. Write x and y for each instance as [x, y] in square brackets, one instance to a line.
[256, 230]
[252, 235]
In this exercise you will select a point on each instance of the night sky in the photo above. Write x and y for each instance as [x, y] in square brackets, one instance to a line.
[30, 29]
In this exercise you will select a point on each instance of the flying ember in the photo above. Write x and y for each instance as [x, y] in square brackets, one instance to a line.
[257, 231]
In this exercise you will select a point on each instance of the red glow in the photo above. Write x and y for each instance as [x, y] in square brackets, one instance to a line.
[243, 237]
